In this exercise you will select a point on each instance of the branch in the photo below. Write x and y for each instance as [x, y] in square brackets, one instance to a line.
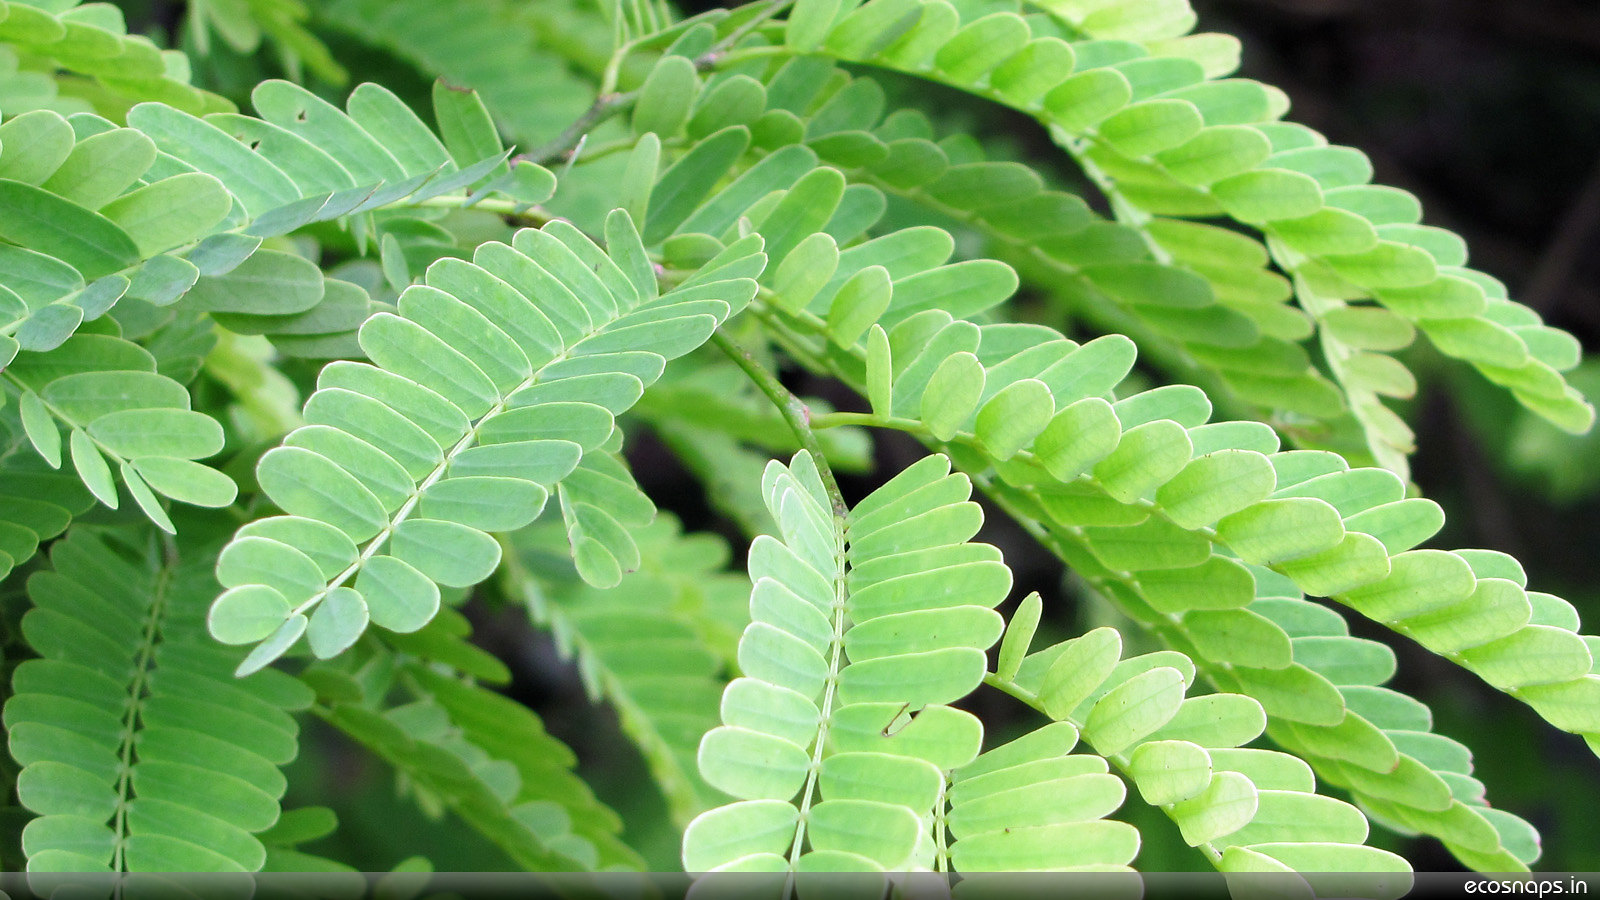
[609, 103]
[1567, 249]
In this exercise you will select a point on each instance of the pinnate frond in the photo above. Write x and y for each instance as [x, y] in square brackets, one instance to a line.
[140, 750]
[176, 207]
[461, 747]
[478, 402]
[837, 740]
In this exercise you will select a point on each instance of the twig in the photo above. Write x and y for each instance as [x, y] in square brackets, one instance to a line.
[604, 107]
[1567, 249]
[793, 410]
[709, 58]
[513, 212]
[565, 147]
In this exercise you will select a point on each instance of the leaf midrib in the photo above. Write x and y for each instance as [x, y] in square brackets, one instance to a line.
[144, 664]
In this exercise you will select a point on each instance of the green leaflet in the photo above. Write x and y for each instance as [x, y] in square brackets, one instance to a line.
[1080, 666]
[40, 221]
[952, 394]
[1151, 126]
[1215, 485]
[861, 300]
[1012, 418]
[664, 101]
[170, 212]
[1147, 456]
[1264, 195]
[1281, 530]
[689, 180]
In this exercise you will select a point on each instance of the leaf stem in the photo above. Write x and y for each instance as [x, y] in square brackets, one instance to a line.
[142, 667]
[795, 412]
[604, 107]
[710, 57]
[744, 54]
[873, 420]
[502, 206]
[609, 103]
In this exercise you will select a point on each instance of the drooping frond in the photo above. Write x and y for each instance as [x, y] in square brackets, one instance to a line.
[1426, 784]
[1177, 143]
[140, 750]
[1124, 536]
[461, 747]
[1148, 485]
[649, 645]
[479, 401]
